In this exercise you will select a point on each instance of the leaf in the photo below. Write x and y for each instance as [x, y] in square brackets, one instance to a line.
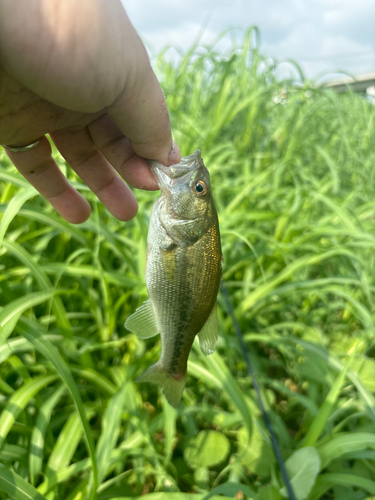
[331, 362]
[53, 220]
[332, 167]
[345, 443]
[303, 262]
[218, 372]
[37, 436]
[90, 272]
[65, 445]
[10, 314]
[96, 378]
[20, 344]
[14, 178]
[365, 367]
[43, 281]
[63, 475]
[18, 401]
[327, 481]
[319, 422]
[303, 467]
[17, 487]
[269, 492]
[12, 453]
[13, 207]
[207, 449]
[170, 415]
[255, 453]
[111, 423]
[51, 353]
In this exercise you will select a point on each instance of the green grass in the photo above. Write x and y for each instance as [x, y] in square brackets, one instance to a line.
[293, 175]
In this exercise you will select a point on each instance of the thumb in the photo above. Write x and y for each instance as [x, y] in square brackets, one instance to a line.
[140, 110]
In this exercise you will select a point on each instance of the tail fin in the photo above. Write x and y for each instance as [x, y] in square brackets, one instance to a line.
[172, 387]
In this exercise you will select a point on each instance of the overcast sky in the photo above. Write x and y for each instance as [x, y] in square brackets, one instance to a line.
[321, 35]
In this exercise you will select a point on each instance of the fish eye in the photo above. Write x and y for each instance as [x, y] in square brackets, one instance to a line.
[201, 188]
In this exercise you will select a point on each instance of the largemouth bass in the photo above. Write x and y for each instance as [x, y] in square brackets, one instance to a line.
[183, 272]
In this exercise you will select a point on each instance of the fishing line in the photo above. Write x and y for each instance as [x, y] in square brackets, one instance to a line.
[266, 417]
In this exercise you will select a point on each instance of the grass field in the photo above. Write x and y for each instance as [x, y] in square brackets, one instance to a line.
[293, 173]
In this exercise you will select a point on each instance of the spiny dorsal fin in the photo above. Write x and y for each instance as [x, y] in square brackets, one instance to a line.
[208, 336]
[142, 322]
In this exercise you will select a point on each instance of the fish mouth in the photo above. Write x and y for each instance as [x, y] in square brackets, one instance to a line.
[166, 176]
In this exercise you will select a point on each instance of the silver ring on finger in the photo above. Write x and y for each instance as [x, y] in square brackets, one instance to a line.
[23, 148]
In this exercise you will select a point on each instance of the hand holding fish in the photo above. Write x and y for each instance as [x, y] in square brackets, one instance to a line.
[79, 72]
[183, 272]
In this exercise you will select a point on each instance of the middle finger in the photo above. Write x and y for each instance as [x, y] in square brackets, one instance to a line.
[96, 172]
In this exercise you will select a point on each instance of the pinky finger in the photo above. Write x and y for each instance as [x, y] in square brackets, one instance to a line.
[40, 169]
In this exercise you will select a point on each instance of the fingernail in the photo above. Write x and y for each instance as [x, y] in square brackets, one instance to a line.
[175, 154]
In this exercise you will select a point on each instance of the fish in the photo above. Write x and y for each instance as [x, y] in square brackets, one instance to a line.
[183, 273]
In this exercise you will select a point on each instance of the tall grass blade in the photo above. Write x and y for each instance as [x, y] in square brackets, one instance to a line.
[38, 433]
[50, 352]
[110, 432]
[345, 443]
[332, 480]
[17, 487]
[41, 277]
[286, 273]
[18, 401]
[228, 383]
[13, 208]
[170, 416]
[10, 314]
[325, 411]
[65, 445]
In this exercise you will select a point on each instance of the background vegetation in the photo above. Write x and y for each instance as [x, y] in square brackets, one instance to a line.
[292, 169]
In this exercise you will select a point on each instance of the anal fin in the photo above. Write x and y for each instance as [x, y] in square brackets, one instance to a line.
[142, 321]
[208, 336]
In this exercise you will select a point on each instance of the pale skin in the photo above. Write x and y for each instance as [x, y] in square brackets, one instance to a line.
[79, 72]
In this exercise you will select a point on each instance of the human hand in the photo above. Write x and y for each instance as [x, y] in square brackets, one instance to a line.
[79, 72]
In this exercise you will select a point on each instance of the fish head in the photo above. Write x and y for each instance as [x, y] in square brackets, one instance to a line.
[186, 204]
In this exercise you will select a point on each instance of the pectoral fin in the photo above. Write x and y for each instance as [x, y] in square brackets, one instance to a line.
[142, 322]
[208, 336]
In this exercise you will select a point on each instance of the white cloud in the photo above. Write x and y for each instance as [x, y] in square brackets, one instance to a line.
[321, 35]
